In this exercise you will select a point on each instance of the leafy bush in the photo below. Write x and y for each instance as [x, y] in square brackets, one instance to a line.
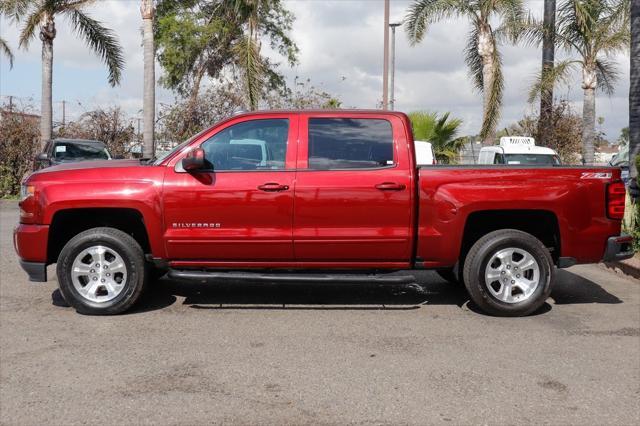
[564, 137]
[108, 125]
[441, 132]
[19, 143]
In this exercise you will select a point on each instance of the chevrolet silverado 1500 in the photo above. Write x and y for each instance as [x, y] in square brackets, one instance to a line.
[305, 196]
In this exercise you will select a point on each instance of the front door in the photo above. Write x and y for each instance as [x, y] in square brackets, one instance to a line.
[242, 210]
[353, 203]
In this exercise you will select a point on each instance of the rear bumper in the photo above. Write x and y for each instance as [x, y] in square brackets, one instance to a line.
[618, 248]
[37, 271]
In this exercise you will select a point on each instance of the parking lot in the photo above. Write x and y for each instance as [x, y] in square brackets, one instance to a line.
[249, 354]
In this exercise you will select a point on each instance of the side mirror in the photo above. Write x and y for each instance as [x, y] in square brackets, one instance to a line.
[194, 160]
[42, 157]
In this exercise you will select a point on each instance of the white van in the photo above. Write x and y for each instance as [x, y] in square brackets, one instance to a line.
[424, 153]
[518, 150]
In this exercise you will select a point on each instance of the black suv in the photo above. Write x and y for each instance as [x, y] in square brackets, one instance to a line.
[58, 151]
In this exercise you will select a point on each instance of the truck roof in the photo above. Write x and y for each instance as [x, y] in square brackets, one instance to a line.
[540, 150]
[321, 111]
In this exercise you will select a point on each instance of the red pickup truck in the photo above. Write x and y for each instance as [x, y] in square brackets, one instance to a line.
[301, 196]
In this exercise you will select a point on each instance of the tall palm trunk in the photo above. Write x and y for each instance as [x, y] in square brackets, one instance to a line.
[47, 34]
[634, 91]
[149, 94]
[486, 50]
[545, 126]
[589, 84]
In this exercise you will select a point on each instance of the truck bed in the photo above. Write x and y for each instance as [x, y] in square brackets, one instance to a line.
[451, 197]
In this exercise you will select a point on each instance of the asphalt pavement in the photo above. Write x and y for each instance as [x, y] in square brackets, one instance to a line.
[317, 354]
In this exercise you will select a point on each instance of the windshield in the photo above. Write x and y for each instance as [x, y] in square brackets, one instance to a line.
[534, 159]
[77, 151]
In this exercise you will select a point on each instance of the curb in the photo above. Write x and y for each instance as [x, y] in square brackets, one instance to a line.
[629, 267]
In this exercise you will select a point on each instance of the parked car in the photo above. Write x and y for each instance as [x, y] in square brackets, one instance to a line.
[518, 150]
[59, 151]
[424, 153]
[341, 198]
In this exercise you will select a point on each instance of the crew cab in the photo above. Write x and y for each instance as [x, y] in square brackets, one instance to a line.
[302, 196]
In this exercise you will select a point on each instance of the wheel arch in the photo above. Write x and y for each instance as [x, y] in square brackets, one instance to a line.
[542, 224]
[67, 223]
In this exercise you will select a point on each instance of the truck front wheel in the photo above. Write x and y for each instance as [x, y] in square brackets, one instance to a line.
[101, 271]
[509, 273]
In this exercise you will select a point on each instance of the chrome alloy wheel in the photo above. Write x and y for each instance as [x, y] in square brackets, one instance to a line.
[99, 274]
[512, 275]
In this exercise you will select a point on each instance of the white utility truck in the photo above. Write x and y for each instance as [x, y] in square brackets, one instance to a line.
[518, 150]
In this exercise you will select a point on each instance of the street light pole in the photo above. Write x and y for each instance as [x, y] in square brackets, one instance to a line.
[385, 70]
[392, 97]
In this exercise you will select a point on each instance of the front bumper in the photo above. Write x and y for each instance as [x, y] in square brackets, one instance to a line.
[30, 242]
[618, 248]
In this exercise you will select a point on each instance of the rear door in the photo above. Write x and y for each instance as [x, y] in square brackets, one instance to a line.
[353, 199]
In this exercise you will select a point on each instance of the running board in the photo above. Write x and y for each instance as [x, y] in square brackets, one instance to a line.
[218, 277]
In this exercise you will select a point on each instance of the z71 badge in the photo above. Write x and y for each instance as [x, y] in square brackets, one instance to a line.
[596, 176]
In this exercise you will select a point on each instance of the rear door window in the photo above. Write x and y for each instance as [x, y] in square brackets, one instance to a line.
[350, 143]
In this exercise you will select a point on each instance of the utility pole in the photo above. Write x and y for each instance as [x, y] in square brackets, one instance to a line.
[64, 112]
[545, 126]
[634, 90]
[10, 104]
[392, 97]
[385, 68]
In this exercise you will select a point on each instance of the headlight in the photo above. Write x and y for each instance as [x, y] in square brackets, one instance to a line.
[26, 191]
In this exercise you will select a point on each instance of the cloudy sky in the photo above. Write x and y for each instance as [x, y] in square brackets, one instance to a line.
[340, 45]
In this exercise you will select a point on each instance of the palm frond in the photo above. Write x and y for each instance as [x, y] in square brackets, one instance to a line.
[30, 26]
[473, 59]
[559, 74]
[423, 13]
[608, 75]
[101, 40]
[514, 19]
[15, 9]
[252, 67]
[4, 47]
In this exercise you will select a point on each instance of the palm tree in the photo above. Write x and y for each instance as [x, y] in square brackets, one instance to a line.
[256, 18]
[198, 38]
[4, 47]
[482, 55]
[634, 91]
[38, 16]
[147, 9]
[441, 132]
[545, 126]
[592, 30]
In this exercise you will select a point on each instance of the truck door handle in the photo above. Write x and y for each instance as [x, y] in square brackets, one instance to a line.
[273, 187]
[391, 186]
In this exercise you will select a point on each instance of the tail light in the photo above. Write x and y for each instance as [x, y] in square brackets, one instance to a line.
[616, 193]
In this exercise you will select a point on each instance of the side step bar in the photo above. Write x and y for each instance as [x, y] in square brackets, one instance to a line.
[213, 277]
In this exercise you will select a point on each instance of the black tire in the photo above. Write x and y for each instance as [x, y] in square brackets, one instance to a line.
[476, 264]
[133, 258]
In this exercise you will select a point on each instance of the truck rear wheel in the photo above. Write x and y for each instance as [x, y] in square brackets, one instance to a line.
[101, 271]
[509, 273]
